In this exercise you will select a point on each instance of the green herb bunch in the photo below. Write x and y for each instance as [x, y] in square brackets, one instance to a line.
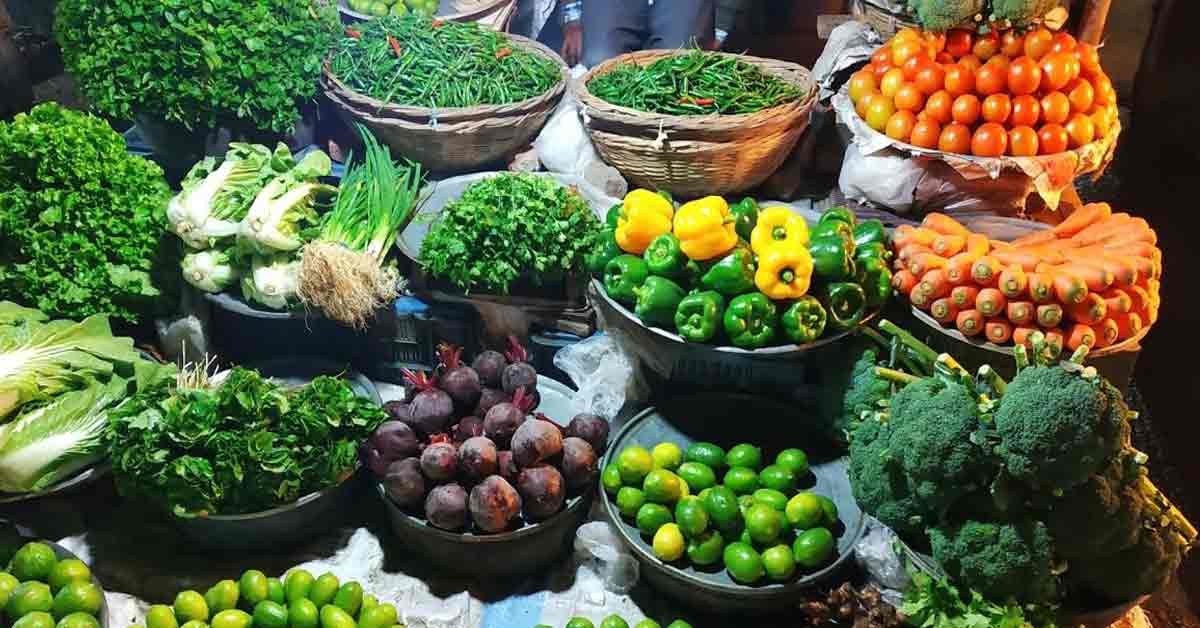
[80, 219]
[413, 60]
[214, 63]
[508, 226]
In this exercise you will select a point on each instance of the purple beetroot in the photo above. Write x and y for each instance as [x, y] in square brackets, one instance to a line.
[503, 419]
[467, 427]
[459, 381]
[439, 462]
[494, 504]
[579, 465]
[591, 428]
[508, 468]
[390, 442]
[536, 441]
[404, 482]
[542, 492]
[432, 408]
[477, 459]
[446, 507]
[519, 372]
[490, 364]
[488, 399]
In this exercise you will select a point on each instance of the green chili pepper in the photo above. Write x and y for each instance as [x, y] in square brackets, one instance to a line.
[832, 258]
[870, 232]
[846, 304]
[732, 275]
[657, 300]
[804, 320]
[839, 214]
[699, 316]
[876, 250]
[746, 215]
[750, 321]
[623, 274]
[614, 215]
[605, 250]
[876, 280]
[664, 257]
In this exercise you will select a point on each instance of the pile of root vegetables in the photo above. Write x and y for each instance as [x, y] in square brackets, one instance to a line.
[1091, 280]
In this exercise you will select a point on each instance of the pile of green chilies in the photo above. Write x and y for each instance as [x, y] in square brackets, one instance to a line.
[693, 83]
[417, 61]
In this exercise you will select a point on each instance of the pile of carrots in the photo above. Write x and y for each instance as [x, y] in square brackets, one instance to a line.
[1091, 280]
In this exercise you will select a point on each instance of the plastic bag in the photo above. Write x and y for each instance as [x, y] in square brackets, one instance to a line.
[603, 374]
[598, 549]
[849, 45]
[876, 554]
[565, 147]
[185, 337]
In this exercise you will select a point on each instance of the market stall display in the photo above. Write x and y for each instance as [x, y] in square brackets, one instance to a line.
[46, 586]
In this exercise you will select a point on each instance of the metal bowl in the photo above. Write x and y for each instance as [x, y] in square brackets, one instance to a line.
[243, 333]
[83, 479]
[727, 420]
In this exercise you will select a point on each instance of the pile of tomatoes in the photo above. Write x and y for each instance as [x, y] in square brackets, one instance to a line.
[1001, 93]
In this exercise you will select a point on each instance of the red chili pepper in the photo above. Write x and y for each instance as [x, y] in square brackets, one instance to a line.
[437, 23]
[703, 101]
[353, 33]
[503, 52]
[394, 44]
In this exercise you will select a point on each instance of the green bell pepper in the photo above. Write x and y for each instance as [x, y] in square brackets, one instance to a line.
[667, 195]
[745, 213]
[870, 232]
[839, 214]
[614, 215]
[832, 228]
[605, 250]
[804, 320]
[623, 274]
[833, 260]
[846, 304]
[733, 275]
[698, 317]
[875, 278]
[876, 250]
[664, 257]
[657, 300]
[750, 321]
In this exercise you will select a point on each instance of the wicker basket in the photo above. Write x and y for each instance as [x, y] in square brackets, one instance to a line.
[495, 14]
[454, 139]
[885, 22]
[692, 156]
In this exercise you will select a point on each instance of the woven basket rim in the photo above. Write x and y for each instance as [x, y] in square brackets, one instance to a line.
[449, 114]
[597, 107]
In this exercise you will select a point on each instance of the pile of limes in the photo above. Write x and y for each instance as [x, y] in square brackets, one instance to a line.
[40, 591]
[616, 621]
[380, 8]
[752, 519]
[297, 601]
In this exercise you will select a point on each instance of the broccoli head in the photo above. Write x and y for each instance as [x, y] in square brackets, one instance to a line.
[864, 391]
[942, 15]
[1021, 12]
[1007, 560]
[878, 481]
[1108, 506]
[1058, 428]
[1123, 576]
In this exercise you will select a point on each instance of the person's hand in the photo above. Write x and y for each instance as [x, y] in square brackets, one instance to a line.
[572, 49]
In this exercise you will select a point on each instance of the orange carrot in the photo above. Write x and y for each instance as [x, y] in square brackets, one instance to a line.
[1123, 269]
[990, 302]
[1068, 288]
[1043, 236]
[969, 322]
[1132, 234]
[1106, 333]
[1020, 335]
[1133, 249]
[1100, 231]
[1041, 287]
[1048, 254]
[1153, 286]
[1150, 317]
[1091, 311]
[1020, 312]
[963, 297]
[909, 251]
[978, 245]
[925, 262]
[1054, 338]
[1080, 335]
[1027, 259]
[1118, 301]
[918, 298]
[1013, 282]
[998, 330]
[934, 284]
[943, 311]
[1141, 298]
[944, 224]
[1082, 218]
[903, 281]
[1096, 278]
[1128, 325]
[1049, 315]
[906, 235]
[958, 268]
[898, 265]
[948, 245]
[985, 271]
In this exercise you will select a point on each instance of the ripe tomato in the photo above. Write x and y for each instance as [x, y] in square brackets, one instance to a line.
[900, 125]
[935, 42]
[906, 34]
[861, 84]
[1063, 42]
[965, 109]
[1000, 61]
[944, 58]
[909, 98]
[986, 46]
[990, 79]
[1081, 94]
[938, 105]
[879, 111]
[971, 61]
[1089, 59]
[1080, 130]
[914, 65]
[955, 138]
[990, 140]
[959, 42]
[1025, 111]
[1058, 69]
[1105, 94]
[880, 70]
[882, 56]
[1056, 108]
[891, 82]
[1024, 76]
[860, 107]
[930, 79]
[925, 134]
[1022, 141]
[1052, 138]
[1038, 43]
[960, 80]
[1012, 44]
[1101, 122]
[906, 50]
[996, 108]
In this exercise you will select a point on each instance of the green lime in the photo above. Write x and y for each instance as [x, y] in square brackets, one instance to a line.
[691, 517]
[334, 617]
[369, 602]
[746, 538]
[699, 476]
[778, 478]
[323, 590]
[275, 591]
[614, 621]
[29, 597]
[195, 623]
[647, 623]
[651, 517]
[379, 616]
[302, 613]
[8, 584]
[34, 561]
[830, 509]
[804, 511]
[706, 549]
[684, 489]
[721, 505]
[580, 622]
[267, 614]
[349, 598]
[222, 596]
[78, 620]
[234, 618]
[662, 487]
[68, 570]
[78, 597]
[379, 9]
[611, 478]
[746, 456]
[763, 523]
[633, 464]
[253, 588]
[745, 502]
[772, 498]
[190, 606]
[706, 454]
[793, 460]
[36, 619]
[297, 584]
[679, 623]
[630, 500]
[744, 564]
[161, 616]
[667, 456]
[779, 563]
[668, 543]
[741, 480]
[399, 9]
[813, 547]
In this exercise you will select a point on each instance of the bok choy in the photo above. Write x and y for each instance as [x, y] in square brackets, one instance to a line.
[216, 198]
[284, 216]
[210, 271]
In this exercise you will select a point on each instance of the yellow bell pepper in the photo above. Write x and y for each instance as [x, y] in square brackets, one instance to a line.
[644, 216]
[778, 225]
[784, 272]
[706, 228]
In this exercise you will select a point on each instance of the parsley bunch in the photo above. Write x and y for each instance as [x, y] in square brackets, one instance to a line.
[215, 63]
[936, 603]
[509, 226]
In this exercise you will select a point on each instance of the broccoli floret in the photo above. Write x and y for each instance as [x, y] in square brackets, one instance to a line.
[1059, 428]
[878, 481]
[1021, 12]
[1107, 506]
[1141, 569]
[864, 392]
[941, 15]
[1004, 559]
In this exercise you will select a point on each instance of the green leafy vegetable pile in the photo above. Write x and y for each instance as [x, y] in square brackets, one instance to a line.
[216, 63]
[245, 445]
[509, 226]
[937, 603]
[80, 218]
